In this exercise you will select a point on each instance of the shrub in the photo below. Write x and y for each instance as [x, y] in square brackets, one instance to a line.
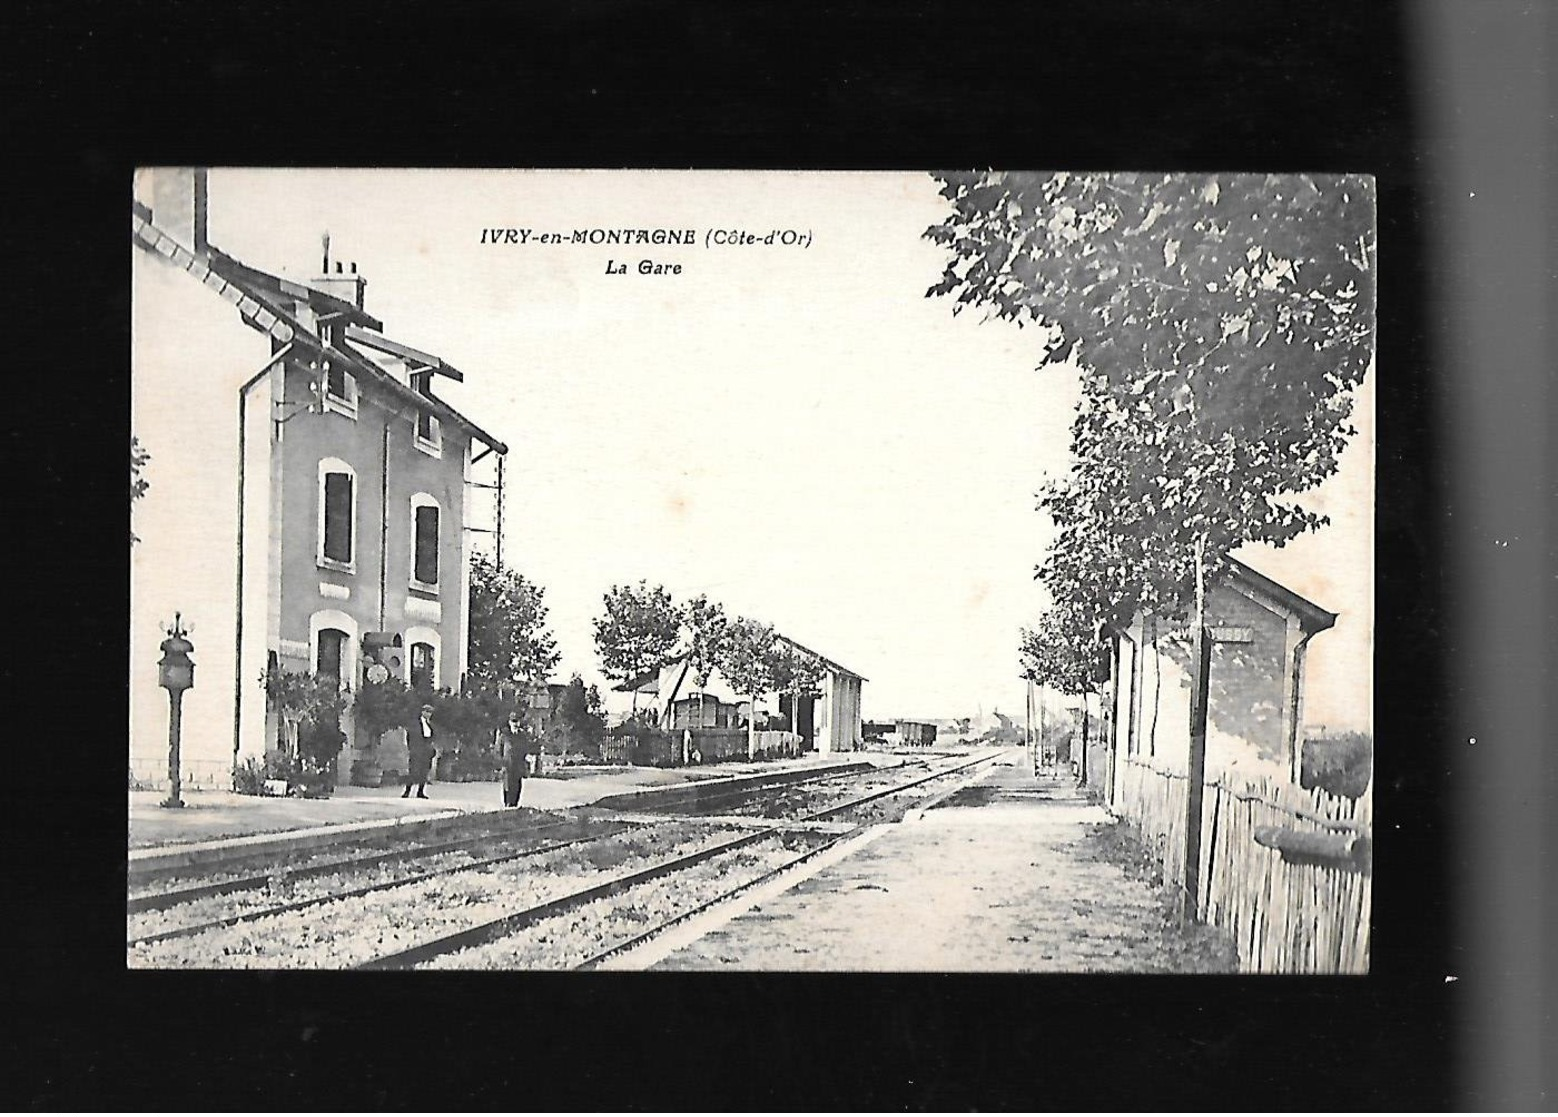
[280, 766]
[249, 777]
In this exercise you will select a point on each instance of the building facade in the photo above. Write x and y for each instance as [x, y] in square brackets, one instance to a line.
[309, 492]
[1259, 630]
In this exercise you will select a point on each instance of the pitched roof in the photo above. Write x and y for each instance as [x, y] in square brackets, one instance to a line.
[265, 303]
[1311, 617]
[832, 664]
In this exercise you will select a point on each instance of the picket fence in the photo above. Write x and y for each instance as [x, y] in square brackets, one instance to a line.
[1285, 917]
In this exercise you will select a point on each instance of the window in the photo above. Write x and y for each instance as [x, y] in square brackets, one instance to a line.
[424, 547]
[340, 388]
[331, 654]
[337, 514]
[422, 671]
[338, 517]
[428, 438]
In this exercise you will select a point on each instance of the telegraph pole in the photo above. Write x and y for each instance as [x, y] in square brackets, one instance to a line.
[1201, 657]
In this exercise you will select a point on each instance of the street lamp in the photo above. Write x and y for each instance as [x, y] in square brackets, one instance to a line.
[176, 672]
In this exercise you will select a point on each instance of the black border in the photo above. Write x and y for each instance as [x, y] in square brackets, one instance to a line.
[1104, 85]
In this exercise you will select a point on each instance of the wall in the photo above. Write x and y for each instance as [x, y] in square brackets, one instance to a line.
[189, 355]
[376, 594]
[838, 727]
[1249, 711]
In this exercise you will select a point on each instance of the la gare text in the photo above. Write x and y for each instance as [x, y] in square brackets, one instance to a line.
[645, 267]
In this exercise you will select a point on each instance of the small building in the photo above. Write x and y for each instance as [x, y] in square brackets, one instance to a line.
[827, 722]
[1259, 631]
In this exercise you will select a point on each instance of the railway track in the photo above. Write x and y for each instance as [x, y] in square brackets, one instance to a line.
[479, 935]
[223, 884]
[757, 844]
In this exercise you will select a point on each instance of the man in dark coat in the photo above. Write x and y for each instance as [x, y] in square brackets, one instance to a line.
[419, 740]
[514, 747]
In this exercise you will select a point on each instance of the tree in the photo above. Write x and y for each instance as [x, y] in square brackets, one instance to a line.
[310, 707]
[509, 640]
[579, 721]
[138, 484]
[706, 625]
[1062, 652]
[637, 632]
[746, 659]
[1221, 322]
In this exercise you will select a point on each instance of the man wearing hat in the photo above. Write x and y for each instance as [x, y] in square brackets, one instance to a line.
[420, 743]
[515, 745]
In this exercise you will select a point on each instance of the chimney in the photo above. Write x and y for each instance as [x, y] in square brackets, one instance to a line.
[176, 197]
[332, 280]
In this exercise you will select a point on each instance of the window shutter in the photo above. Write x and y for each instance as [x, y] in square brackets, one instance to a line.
[427, 545]
[338, 517]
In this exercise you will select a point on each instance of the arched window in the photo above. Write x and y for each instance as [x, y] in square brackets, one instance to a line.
[425, 528]
[332, 641]
[422, 663]
[423, 666]
[330, 657]
[337, 514]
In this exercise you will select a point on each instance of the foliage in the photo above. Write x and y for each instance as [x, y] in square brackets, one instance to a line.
[637, 632]
[509, 640]
[281, 766]
[1220, 321]
[472, 717]
[1341, 764]
[138, 484]
[303, 695]
[747, 656]
[793, 670]
[579, 719]
[1063, 651]
[379, 707]
[319, 744]
[707, 624]
[639, 720]
[249, 777]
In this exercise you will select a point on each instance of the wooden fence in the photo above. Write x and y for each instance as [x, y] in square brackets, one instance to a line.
[1285, 916]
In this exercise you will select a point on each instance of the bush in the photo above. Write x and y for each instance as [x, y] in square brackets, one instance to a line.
[1340, 765]
[280, 766]
[249, 777]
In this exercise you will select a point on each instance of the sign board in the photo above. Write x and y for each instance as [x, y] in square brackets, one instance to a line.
[1230, 633]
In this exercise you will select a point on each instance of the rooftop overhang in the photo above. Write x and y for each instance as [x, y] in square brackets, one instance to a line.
[420, 361]
[1311, 617]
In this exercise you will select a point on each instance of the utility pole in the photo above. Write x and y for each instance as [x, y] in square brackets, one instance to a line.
[1201, 658]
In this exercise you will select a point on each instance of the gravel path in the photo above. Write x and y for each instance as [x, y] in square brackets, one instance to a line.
[1017, 876]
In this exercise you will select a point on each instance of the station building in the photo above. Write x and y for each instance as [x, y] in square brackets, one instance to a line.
[309, 492]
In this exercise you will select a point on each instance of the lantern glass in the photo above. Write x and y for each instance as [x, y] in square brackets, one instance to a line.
[176, 675]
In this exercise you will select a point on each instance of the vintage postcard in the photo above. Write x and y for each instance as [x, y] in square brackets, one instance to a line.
[733, 571]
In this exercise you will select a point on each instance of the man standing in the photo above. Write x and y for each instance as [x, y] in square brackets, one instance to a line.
[514, 746]
[420, 760]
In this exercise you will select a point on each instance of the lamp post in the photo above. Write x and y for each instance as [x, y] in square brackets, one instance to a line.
[176, 672]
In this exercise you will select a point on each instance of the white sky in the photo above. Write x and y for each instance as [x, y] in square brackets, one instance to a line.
[799, 433]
